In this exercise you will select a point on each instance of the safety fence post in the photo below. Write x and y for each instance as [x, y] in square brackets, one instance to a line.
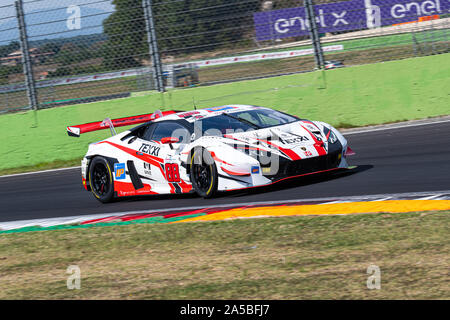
[153, 45]
[26, 60]
[314, 34]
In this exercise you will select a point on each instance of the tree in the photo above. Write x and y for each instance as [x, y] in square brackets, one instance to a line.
[202, 25]
[6, 71]
[126, 30]
[12, 46]
[181, 27]
[51, 47]
[71, 53]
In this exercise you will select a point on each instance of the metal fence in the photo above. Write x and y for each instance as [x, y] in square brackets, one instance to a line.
[59, 52]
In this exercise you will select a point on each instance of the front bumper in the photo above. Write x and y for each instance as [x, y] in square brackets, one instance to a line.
[84, 173]
[288, 168]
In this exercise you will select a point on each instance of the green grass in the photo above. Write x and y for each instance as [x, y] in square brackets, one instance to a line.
[357, 96]
[382, 41]
[373, 42]
[323, 257]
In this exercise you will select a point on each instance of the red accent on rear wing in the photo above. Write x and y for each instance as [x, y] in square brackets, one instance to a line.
[76, 131]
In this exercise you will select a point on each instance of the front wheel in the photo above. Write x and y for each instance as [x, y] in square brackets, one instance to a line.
[101, 179]
[203, 173]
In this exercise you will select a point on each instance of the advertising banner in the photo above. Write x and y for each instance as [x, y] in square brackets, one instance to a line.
[263, 56]
[344, 16]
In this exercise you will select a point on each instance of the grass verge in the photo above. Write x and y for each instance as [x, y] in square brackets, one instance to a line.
[321, 257]
[357, 96]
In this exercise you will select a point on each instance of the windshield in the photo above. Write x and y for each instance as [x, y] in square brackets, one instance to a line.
[243, 121]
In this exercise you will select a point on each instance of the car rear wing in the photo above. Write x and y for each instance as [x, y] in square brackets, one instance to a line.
[76, 131]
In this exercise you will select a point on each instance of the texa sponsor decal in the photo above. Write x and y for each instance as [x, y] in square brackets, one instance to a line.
[150, 149]
[119, 171]
[294, 140]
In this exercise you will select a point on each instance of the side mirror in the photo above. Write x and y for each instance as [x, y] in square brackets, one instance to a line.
[169, 140]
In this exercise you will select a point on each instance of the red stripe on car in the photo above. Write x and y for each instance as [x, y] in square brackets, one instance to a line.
[125, 189]
[213, 155]
[318, 145]
[233, 173]
[291, 154]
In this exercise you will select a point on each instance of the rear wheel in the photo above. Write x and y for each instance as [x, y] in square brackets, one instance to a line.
[101, 179]
[203, 173]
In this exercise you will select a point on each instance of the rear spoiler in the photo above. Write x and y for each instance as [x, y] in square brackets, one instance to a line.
[76, 131]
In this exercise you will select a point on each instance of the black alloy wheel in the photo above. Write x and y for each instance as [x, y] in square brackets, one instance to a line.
[203, 173]
[101, 179]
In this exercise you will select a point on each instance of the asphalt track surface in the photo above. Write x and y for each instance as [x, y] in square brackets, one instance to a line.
[399, 160]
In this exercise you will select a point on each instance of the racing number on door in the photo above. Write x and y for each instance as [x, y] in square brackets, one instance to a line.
[172, 172]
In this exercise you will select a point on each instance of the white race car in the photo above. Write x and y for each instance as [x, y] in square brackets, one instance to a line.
[333, 64]
[205, 151]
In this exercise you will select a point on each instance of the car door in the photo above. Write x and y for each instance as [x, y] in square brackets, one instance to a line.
[146, 156]
[160, 161]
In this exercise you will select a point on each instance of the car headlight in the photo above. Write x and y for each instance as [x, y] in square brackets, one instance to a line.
[331, 137]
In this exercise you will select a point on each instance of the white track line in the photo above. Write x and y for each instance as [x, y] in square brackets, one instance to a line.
[432, 197]
[38, 172]
[80, 218]
[382, 199]
[394, 126]
[350, 132]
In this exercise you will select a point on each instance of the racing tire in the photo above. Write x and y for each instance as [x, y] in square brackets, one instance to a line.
[101, 180]
[203, 173]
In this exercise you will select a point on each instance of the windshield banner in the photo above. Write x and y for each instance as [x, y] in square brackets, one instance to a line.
[344, 16]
